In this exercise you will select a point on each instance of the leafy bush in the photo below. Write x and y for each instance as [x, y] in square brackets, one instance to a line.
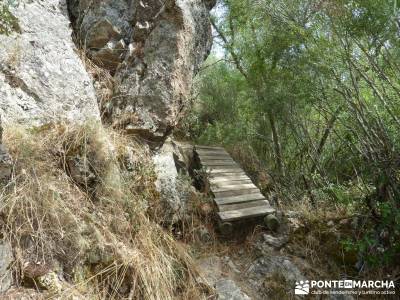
[8, 22]
[313, 90]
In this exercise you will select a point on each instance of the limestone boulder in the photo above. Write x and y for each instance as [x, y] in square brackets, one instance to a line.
[6, 258]
[5, 160]
[172, 184]
[267, 267]
[228, 290]
[42, 77]
[153, 49]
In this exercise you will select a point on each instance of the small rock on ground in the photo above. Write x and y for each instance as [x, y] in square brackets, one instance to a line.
[228, 290]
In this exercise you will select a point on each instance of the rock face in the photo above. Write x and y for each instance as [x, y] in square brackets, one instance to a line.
[268, 266]
[5, 160]
[228, 290]
[171, 184]
[211, 272]
[42, 78]
[6, 258]
[153, 48]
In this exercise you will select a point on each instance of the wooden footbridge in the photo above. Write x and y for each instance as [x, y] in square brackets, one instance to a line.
[235, 195]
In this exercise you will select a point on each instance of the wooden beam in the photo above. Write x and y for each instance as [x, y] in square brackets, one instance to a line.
[239, 198]
[215, 157]
[230, 182]
[211, 152]
[232, 169]
[217, 163]
[236, 192]
[235, 187]
[227, 177]
[251, 212]
[208, 147]
[227, 207]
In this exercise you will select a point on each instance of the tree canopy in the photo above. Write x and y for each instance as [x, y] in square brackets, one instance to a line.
[312, 88]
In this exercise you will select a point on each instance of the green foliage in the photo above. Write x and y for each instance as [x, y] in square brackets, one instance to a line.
[312, 87]
[8, 22]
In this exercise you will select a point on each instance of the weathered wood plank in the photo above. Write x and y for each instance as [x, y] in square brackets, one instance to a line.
[240, 198]
[230, 182]
[250, 212]
[233, 187]
[217, 163]
[211, 152]
[227, 177]
[236, 206]
[227, 174]
[208, 147]
[236, 192]
[233, 169]
[222, 183]
[224, 167]
[215, 157]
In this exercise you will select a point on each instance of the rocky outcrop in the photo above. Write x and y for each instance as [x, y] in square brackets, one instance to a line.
[228, 290]
[6, 259]
[42, 78]
[171, 183]
[153, 48]
[211, 270]
[266, 267]
[5, 160]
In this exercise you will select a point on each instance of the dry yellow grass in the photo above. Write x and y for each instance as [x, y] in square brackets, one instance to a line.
[96, 232]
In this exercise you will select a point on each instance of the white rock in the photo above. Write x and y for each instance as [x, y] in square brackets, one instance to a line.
[228, 290]
[42, 78]
[6, 258]
[167, 45]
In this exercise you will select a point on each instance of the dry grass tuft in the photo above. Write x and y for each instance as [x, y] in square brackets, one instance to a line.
[103, 80]
[89, 223]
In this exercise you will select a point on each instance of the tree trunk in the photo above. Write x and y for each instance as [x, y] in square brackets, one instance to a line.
[325, 136]
[277, 144]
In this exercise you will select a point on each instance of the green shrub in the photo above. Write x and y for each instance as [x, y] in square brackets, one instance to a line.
[8, 22]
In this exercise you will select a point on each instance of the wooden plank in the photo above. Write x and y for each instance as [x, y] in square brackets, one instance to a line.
[211, 152]
[251, 212]
[214, 172]
[208, 147]
[215, 157]
[202, 149]
[230, 182]
[219, 183]
[227, 174]
[217, 163]
[227, 181]
[236, 192]
[237, 206]
[227, 169]
[236, 167]
[227, 177]
[233, 187]
[238, 199]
